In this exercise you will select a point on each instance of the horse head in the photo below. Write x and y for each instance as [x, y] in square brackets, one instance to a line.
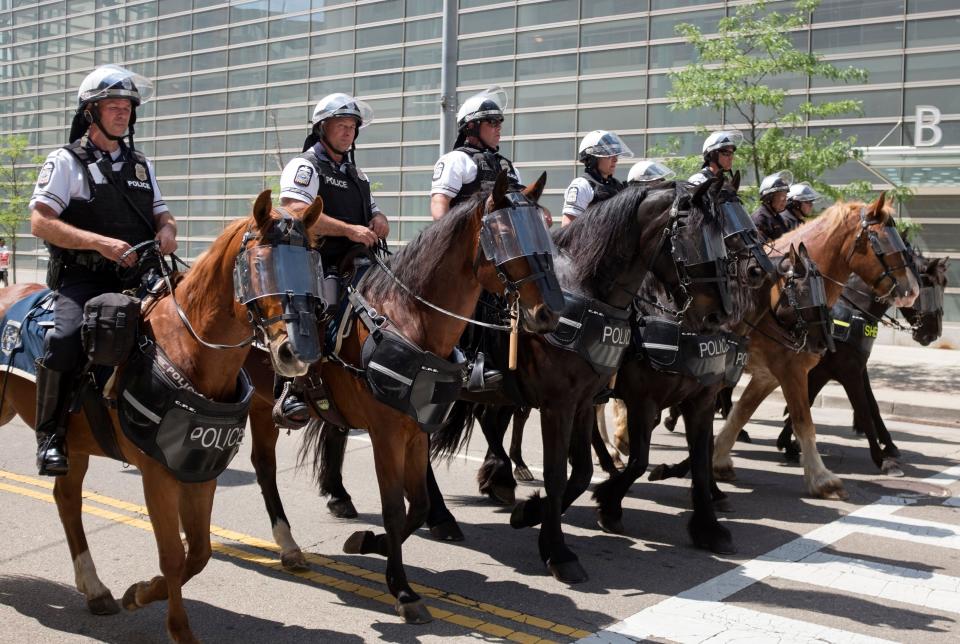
[515, 254]
[926, 313]
[878, 254]
[800, 301]
[277, 278]
[741, 237]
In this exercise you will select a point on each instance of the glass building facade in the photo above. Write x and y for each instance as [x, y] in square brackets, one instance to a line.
[236, 83]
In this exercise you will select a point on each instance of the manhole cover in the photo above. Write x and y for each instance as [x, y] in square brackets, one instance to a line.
[909, 489]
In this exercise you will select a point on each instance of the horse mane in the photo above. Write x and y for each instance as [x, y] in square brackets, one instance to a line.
[415, 263]
[835, 216]
[600, 254]
[201, 280]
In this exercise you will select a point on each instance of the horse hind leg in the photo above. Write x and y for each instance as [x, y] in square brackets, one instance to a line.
[495, 478]
[760, 386]
[333, 450]
[67, 491]
[607, 455]
[520, 470]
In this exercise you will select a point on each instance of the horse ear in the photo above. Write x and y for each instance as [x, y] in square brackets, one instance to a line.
[262, 208]
[499, 189]
[876, 208]
[736, 181]
[313, 213]
[702, 189]
[535, 189]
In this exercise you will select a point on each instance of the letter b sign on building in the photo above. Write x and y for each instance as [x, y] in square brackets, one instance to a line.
[927, 119]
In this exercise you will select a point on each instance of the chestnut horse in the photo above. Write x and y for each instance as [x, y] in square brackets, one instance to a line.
[206, 295]
[847, 237]
[445, 266]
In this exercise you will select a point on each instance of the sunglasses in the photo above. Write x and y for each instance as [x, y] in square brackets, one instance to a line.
[493, 122]
[726, 153]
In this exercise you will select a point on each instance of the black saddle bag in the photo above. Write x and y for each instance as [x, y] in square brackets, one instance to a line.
[110, 328]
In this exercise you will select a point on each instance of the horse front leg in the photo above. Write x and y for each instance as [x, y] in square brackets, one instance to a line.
[607, 455]
[520, 469]
[495, 477]
[761, 385]
[263, 455]
[890, 450]
[162, 497]
[443, 525]
[852, 383]
[68, 493]
[817, 379]
[820, 481]
[705, 530]
[196, 506]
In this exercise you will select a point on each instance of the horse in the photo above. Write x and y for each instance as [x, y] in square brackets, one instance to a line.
[671, 232]
[847, 237]
[858, 314]
[688, 374]
[207, 297]
[432, 289]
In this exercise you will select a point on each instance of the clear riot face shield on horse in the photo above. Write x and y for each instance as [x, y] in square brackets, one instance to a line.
[283, 267]
[888, 246]
[518, 232]
[700, 256]
[741, 236]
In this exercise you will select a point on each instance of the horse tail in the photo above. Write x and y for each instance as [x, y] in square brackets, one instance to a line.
[455, 433]
[325, 445]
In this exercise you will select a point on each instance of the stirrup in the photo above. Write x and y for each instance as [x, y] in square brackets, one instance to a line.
[289, 411]
[483, 379]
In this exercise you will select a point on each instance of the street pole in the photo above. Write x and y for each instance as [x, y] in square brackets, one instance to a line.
[448, 77]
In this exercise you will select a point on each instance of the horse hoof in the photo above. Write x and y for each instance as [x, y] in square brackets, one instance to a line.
[526, 514]
[129, 600]
[718, 544]
[358, 542]
[613, 525]
[414, 612]
[501, 494]
[342, 508]
[832, 489]
[294, 561]
[744, 437]
[890, 467]
[791, 455]
[568, 572]
[658, 473]
[103, 605]
[724, 473]
[448, 530]
[522, 473]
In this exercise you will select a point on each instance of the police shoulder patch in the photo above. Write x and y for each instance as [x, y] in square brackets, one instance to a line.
[438, 170]
[303, 176]
[362, 175]
[572, 193]
[46, 171]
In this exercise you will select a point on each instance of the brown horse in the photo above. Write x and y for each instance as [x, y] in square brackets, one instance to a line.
[206, 294]
[848, 237]
[445, 266]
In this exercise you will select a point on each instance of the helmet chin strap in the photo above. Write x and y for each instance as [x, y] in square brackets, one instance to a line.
[92, 116]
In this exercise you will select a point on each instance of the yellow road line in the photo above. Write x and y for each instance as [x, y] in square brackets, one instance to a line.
[320, 560]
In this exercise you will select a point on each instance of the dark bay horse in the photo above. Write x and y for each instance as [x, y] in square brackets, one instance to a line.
[446, 266]
[206, 295]
[604, 256]
[851, 237]
[645, 390]
[848, 364]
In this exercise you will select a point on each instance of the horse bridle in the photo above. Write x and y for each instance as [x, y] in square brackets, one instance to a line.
[879, 253]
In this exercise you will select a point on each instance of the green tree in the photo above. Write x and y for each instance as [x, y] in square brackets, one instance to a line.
[18, 174]
[740, 72]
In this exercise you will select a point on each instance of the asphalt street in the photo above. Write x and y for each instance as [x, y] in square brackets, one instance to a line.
[884, 565]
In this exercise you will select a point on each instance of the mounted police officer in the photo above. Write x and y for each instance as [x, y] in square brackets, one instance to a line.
[718, 151]
[350, 216]
[599, 151]
[800, 199]
[475, 160]
[650, 173]
[770, 218]
[94, 200]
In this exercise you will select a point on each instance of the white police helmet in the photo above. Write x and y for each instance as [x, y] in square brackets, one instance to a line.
[113, 81]
[648, 171]
[340, 104]
[488, 104]
[802, 192]
[722, 139]
[601, 143]
[776, 182]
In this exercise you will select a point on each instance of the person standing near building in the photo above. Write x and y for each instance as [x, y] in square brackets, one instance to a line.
[326, 168]
[4, 262]
[770, 218]
[718, 153]
[475, 161]
[94, 200]
[599, 152]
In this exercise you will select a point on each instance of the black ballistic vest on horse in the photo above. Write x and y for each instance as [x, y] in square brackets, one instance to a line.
[346, 197]
[108, 211]
[603, 189]
[597, 332]
[852, 328]
[489, 165]
[708, 358]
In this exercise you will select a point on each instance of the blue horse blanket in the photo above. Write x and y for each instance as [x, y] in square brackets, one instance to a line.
[23, 329]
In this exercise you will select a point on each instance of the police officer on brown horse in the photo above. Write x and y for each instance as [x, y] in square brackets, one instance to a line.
[95, 199]
[326, 168]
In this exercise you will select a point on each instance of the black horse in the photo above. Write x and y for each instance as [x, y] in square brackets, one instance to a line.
[604, 256]
[857, 316]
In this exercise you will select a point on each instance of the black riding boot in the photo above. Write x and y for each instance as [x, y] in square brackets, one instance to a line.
[53, 392]
[289, 411]
[482, 378]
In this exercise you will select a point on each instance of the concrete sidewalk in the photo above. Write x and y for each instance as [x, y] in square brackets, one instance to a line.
[913, 382]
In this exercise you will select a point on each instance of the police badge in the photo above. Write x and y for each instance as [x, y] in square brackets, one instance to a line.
[46, 171]
[303, 176]
[140, 171]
